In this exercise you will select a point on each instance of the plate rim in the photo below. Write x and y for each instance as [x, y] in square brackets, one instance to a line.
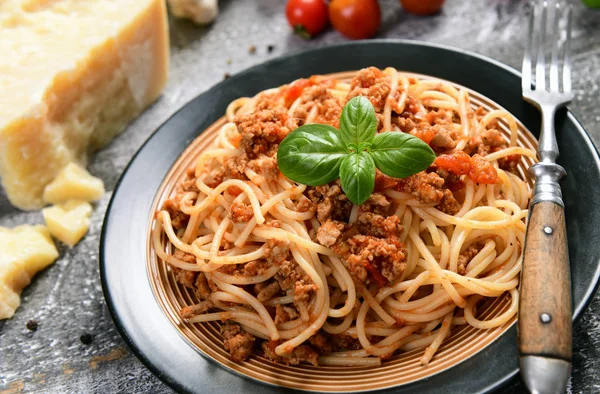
[111, 305]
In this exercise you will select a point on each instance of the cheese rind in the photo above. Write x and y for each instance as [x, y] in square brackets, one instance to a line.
[73, 183]
[24, 251]
[68, 222]
[73, 74]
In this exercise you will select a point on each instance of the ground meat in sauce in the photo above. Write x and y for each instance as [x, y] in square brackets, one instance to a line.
[277, 252]
[321, 342]
[510, 163]
[426, 187]
[266, 166]
[198, 309]
[448, 204]
[406, 125]
[185, 277]
[201, 288]
[331, 202]
[451, 181]
[329, 232]
[184, 256]
[489, 140]
[379, 226]
[240, 212]
[267, 100]
[443, 139]
[303, 290]
[255, 267]
[178, 218]
[305, 205]
[237, 342]
[285, 313]
[440, 117]
[373, 84]
[343, 342]
[268, 292]
[371, 247]
[289, 274]
[233, 168]
[328, 108]
[465, 258]
[301, 354]
[387, 256]
[262, 131]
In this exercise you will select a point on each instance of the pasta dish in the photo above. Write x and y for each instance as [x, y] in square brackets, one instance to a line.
[301, 274]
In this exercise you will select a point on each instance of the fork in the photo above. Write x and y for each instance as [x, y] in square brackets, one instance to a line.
[544, 327]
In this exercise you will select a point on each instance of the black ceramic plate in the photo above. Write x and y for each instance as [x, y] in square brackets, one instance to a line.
[127, 290]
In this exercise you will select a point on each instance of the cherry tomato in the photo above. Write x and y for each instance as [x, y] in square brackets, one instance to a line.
[482, 171]
[424, 134]
[356, 19]
[422, 7]
[458, 163]
[307, 17]
[476, 167]
[295, 90]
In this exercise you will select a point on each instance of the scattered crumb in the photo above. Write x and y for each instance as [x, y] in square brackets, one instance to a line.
[39, 377]
[270, 48]
[252, 49]
[226, 76]
[14, 388]
[67, 370]
[114, 354]
[86, 338]
[32, 325]
[229, 61]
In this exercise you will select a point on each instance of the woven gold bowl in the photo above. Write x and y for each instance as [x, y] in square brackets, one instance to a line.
[402, 368]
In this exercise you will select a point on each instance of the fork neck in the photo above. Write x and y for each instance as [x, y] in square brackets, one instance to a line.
[548, 147]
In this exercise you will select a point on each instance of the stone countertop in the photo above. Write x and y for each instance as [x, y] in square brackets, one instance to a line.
[66, 299]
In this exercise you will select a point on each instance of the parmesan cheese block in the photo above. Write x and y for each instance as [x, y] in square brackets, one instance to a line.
[24, 251]
[68, 222]
[73, 183]
[73, 73]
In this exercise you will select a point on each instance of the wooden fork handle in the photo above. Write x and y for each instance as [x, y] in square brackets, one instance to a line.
[545, 304]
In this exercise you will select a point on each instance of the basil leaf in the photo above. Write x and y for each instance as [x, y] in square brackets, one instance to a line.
[311, 154]
[358, 122]
[357, 174]
[400, 155]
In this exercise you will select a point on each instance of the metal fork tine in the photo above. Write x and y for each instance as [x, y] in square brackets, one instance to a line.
[540, 66]
[526, 69]
[555, 40]
[567, 59]
[546, 50]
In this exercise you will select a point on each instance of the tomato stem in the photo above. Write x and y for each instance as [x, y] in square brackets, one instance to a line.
[301, 31]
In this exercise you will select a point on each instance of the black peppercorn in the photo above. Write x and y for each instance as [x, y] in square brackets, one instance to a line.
[31, 325]
[86, 338]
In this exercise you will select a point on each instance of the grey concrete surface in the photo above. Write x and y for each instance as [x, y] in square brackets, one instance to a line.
[66, 299]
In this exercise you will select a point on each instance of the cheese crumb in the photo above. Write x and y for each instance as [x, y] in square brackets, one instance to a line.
[200, 12]
[73, 183]
[68, 222]
[24, 250]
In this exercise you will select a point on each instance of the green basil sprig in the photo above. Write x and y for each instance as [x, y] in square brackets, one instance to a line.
[317, 154]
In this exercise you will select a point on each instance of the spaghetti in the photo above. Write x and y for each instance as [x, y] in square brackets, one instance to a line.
[300, 274]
